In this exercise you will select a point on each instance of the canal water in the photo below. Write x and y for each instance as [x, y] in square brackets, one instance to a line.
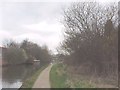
[14, 76]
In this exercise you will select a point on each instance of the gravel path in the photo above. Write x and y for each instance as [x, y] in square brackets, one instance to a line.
[43, 79]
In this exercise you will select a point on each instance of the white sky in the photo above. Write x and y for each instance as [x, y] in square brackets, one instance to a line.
[36, 20]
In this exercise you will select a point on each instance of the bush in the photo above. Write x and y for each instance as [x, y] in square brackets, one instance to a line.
[15, 55]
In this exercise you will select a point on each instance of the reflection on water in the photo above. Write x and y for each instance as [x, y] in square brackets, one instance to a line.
[11, 85]
[0, 83]
[13, 76]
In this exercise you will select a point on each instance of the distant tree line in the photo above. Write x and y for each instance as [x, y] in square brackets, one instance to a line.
[24, 52]
[91, 38]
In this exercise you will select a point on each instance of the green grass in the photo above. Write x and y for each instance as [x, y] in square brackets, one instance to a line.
[58, 76]
[30, 81]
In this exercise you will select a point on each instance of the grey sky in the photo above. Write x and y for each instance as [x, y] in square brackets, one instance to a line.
[37, 20]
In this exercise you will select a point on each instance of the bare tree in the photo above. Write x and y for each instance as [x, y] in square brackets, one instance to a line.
[91, 36]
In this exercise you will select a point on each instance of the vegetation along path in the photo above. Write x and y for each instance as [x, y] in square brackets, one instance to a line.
[43, 79]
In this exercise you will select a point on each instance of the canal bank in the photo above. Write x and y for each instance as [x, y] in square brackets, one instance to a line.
[15, 76]
[29, 82]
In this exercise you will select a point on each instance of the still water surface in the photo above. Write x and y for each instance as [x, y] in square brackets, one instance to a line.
[14, 76]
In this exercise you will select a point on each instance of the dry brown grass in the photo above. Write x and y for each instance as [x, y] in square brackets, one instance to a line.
[85, 74]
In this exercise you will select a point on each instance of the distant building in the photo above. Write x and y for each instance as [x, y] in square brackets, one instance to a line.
[0, 53]
[0, 56]
[2, 62]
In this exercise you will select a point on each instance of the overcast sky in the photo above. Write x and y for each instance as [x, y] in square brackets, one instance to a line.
[37, 21]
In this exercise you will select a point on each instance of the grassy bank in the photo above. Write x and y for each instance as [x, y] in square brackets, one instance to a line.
[28, 83]
[60, 78]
